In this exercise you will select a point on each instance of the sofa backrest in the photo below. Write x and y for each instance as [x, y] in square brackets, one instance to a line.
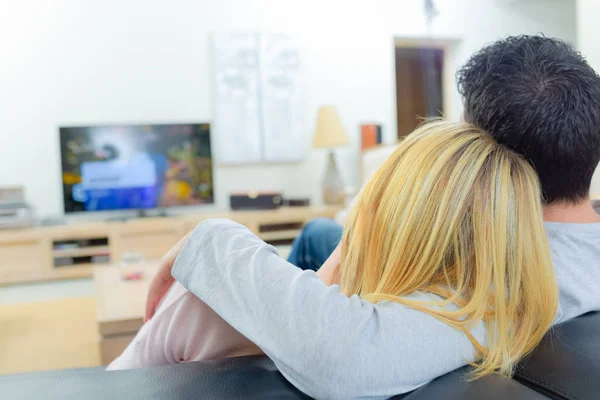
[456, 385]
[566, 365]
[236, 378]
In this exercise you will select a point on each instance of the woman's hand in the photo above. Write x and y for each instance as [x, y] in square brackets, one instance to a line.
[163, 279]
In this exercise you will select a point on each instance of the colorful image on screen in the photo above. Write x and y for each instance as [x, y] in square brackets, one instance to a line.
[135, 166]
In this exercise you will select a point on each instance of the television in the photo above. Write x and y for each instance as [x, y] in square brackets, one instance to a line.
[120, 167]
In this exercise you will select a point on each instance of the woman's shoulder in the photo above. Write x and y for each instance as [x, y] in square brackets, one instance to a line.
[399, 314]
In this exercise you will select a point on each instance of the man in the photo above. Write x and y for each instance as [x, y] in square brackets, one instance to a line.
[540, 98]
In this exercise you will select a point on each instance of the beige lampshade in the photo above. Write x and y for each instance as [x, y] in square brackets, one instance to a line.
[329, 131]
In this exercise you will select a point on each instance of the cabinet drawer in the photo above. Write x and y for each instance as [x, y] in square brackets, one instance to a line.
[22, 261]
[151, 245]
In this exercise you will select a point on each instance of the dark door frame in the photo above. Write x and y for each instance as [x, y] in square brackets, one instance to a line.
[451, 101]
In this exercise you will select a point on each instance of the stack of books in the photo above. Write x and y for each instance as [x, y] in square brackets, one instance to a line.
[370, 135]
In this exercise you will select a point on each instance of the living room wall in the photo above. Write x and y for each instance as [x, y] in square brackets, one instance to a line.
[106, 61]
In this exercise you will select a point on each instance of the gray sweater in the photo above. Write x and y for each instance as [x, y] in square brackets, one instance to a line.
[326, 344]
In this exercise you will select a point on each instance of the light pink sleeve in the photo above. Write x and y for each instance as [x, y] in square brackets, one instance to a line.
[183, 329]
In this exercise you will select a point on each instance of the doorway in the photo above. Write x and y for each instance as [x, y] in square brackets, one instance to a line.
[419, 85]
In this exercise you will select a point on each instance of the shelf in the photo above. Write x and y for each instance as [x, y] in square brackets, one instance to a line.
[73, 261]
[81, 252]
[73, 250]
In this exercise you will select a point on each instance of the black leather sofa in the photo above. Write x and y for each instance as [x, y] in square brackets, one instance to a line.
[566, 365]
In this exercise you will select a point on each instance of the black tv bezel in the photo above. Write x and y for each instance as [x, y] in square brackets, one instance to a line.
[139, 211]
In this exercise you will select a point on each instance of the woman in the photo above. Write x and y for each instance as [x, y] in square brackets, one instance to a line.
[444, 262]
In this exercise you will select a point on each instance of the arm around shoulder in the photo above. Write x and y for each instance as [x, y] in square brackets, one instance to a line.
[325, 343]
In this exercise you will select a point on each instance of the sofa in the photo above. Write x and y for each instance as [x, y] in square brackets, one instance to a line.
[566, 365]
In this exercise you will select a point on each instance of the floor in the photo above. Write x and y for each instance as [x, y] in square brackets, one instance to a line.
[46, 291]
[50, 325]
[48, 335]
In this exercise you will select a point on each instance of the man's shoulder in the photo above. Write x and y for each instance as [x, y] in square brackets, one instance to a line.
[575, 252]
[574, 246]
[574, 231]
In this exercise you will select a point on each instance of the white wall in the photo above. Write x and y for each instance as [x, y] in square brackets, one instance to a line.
[103, 61]
[588, 34]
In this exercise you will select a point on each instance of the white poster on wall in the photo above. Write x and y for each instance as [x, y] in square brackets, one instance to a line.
[236, 127]
[285, 139]
[259, 102]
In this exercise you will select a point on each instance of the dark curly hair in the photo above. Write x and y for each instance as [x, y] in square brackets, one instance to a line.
[539, 97]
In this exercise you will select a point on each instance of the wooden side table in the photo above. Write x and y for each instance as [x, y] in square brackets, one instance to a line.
[120, 307]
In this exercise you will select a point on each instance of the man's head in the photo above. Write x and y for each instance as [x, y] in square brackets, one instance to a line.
[539, 97]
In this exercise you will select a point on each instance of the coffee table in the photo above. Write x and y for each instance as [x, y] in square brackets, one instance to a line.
[120, 307]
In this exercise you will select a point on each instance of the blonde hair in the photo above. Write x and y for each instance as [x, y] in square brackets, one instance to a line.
[456, 214]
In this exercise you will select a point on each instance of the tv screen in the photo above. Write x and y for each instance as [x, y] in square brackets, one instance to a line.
[135, 166]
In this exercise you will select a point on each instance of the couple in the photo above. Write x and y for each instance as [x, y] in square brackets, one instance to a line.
[466, 245]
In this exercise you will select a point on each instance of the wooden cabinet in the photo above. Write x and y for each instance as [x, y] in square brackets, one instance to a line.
[75, 249]
[23, 257]
[71, 251]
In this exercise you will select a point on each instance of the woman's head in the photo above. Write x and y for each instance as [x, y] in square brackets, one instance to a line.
[454, 213]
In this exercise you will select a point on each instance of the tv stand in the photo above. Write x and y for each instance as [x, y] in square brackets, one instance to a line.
[72, 251]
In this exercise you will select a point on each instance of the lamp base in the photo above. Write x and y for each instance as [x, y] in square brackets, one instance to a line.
[333, 186]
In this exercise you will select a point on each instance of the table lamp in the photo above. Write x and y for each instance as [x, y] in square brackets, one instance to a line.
[329, 133]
